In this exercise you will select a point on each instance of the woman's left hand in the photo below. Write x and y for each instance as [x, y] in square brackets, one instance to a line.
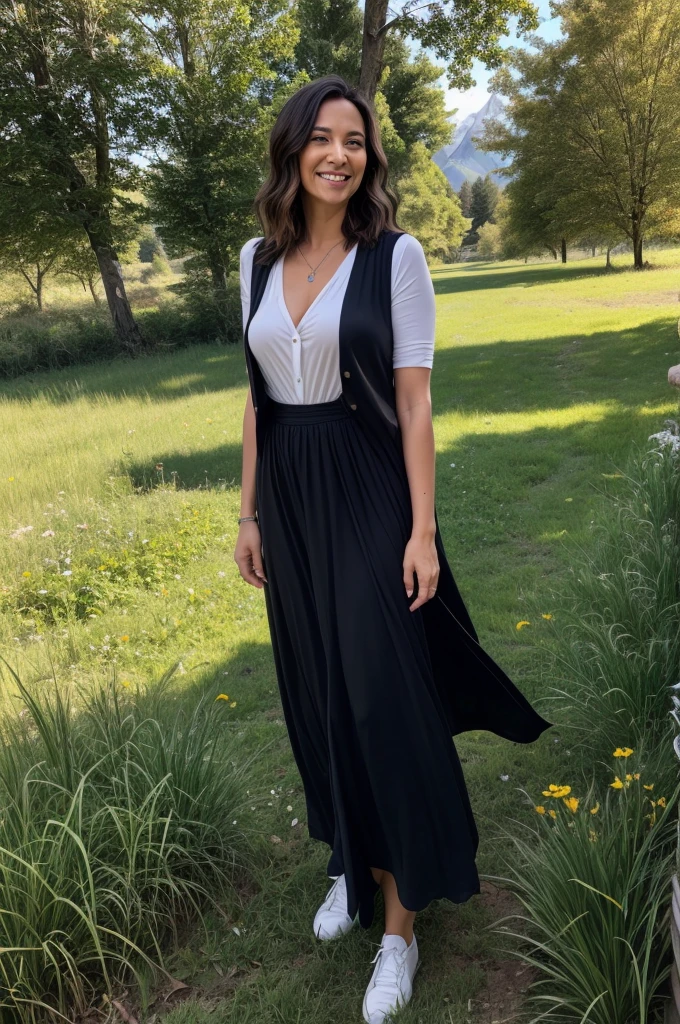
[420, 557]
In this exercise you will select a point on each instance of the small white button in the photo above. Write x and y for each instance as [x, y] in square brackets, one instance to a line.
[294, 338]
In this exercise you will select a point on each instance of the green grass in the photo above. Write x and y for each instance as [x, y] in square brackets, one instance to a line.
[544, 376]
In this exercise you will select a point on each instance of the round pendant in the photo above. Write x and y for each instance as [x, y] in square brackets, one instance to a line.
[310, 277]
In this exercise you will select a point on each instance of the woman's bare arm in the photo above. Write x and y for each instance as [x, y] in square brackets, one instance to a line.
[414, 412]
[248, 551]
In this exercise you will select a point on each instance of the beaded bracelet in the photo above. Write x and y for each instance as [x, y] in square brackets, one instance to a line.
[244, 519]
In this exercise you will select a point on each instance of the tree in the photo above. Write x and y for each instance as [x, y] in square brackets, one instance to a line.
[485, 194]
[489, 244]
[212, 127]
[429, 208]
[71, 83]
[456, 32]
[595, 122]
[465, 196]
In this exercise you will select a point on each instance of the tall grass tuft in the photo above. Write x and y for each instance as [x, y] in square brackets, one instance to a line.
[618, 641]
[115, 829]
[596, 892]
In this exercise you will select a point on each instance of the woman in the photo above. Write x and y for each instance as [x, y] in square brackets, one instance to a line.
[378, 663]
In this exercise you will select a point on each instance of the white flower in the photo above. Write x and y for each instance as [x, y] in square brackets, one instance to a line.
[504, 778]
[293, 823]
[289, 808]
[67, 572]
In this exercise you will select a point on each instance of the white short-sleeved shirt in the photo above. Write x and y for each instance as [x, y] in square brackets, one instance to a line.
[301, 365]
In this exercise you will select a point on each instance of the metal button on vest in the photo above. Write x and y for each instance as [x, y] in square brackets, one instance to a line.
[346, 372]
[352, 406]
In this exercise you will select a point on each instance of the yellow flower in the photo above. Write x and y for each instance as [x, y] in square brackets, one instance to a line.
[546, 615]
[557, 791]
[125, 683]
[125, 638]
[650, 786]
[233, 704]
[553, 814]
[522, 623]
[540, 809]
[10, 478]
[572, 803]
[27, 573]
[623, 752]
[629, 778]
[595, 809]
[636, 776]
[616, 784]
[661, 802]
[568, 499]
[222, 696]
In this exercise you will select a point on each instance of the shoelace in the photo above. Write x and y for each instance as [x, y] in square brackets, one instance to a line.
[390, 970]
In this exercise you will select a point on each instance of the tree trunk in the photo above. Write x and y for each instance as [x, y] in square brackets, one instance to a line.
[124, 323]
[95, 297]
[637, 251]
[564, 250]
[608, 264]
[39, 289]
[593, 250]
[373, 46]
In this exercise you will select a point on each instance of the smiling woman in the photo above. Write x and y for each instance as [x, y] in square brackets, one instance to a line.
[377, 661]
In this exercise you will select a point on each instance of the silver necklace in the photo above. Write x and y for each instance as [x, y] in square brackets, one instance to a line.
[310, 277]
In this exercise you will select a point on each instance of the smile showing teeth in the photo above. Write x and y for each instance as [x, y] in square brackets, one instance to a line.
[334, 177]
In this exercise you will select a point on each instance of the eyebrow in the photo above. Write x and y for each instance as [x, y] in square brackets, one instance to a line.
[320, 128]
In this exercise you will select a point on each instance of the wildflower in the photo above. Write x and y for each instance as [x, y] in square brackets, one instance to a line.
[592, 835]
[289, 807]
[26, 573]
[125, 683]
[553, 814]
[568, 499]
[557, 791]
[522, 623]
[661, 802]
[233, 704]
[222, 696]
[629, 778]
[623, 752]
[572, 803]
[546, 615]
[595, 809]
[125, 638]
[650, 786]
[616, 784]
[636, 776]
[540, 809]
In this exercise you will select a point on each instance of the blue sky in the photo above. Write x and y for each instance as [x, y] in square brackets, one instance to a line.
[473, 99]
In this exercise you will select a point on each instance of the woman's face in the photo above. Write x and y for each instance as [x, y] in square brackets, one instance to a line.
[336, 146]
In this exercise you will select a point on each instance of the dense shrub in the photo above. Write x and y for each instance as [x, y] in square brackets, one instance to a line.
[115, 829]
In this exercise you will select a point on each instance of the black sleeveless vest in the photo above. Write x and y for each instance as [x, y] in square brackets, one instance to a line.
[365, 341]
[475, 691]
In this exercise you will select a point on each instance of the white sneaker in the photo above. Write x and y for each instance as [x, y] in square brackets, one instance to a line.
[391, 985]
[331, 919]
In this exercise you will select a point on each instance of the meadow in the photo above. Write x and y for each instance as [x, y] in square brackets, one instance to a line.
[119, 491]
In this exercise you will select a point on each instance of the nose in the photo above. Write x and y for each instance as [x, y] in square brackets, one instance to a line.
[337, 153]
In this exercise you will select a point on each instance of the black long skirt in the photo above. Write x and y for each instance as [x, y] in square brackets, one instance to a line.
[383, 783]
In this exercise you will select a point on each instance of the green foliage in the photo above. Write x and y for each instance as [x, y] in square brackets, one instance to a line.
[115, 830]
[85, 586]
[619, 644]
[594, 127]
[489, 241]
[429, 207]
[595, 888]
[213, 127]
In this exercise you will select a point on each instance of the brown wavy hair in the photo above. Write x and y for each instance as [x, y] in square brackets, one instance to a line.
[278, 202]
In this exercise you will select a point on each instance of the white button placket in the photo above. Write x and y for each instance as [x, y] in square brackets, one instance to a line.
[297, 370]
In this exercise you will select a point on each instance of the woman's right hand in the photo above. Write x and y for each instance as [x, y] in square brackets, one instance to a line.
[248, 554]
